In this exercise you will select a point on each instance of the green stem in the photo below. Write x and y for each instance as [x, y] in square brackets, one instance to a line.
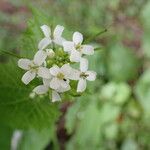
[95, 36]
[10, 54]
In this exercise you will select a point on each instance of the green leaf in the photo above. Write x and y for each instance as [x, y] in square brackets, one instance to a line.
[145, 15]
[115, 92]
[111, 131]
[5, 137]
[17, 109]
[35, 140]
[88, 127]
[122, 64]
[142, 91]
[146, 43]
[129, 144]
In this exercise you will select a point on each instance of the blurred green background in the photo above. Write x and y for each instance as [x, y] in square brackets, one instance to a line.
[114, 112]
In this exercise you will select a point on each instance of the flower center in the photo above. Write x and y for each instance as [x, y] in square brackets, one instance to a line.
[60, 76]
[33, 67]
[83, 75]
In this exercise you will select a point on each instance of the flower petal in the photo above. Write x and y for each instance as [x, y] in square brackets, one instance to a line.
[92, 75]
[40, 57]
[54, 70]
[41, 89]
[75, 56]
[77, 38]
[83, 64]
[81, 85]
[46, 82]
[55, 83]
[57, 35]
[69, 72]
[24, 63]
[28, 77]
[55, 96]
[61, 90]
[44, 73]
[64, 84]
[87, 49]
[46, 30]
[65, 69]
[59, 41]
[58, 31]
[44, 43]
[73, 75]
[68, 46]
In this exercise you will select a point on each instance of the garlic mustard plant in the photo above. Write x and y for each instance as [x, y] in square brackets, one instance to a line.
[53, 64]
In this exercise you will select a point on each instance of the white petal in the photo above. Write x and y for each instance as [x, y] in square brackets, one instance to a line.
[59, 41]
[87, 49]
[55, 96]
[77, 38]
[55, 83]
[81, 85]
[58, 31]
[54, 70]
[24, 63]
[46, 82]
[40, 57]
[75, 56]
[50, 53]
[92, 75]
[64, 84]
[61, 90]
[41, 89]
[73, 75]
[57, 35]
[66, 69]
[28, 77]
[44, 73]
[68, 46]
[46, 30]
[83, 64]
[44, 43]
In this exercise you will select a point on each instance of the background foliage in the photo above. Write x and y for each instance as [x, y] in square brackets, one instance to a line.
[114, 113]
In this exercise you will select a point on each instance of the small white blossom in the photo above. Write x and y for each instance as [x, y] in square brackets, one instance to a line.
[61, 76]
[34, 67]
[43, 89]
[56, 37]
[76, 49]
[84, 75]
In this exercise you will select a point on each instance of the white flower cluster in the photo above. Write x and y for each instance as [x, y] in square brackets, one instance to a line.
[56, 72]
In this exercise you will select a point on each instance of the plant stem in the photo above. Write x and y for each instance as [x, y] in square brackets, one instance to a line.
[10, 54]
[95, 36]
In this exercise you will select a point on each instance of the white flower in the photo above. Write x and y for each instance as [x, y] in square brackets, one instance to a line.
[61, 76]
[43, 89]
[34, 67]
[56, 37]
[76, 49]
[85, 75]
